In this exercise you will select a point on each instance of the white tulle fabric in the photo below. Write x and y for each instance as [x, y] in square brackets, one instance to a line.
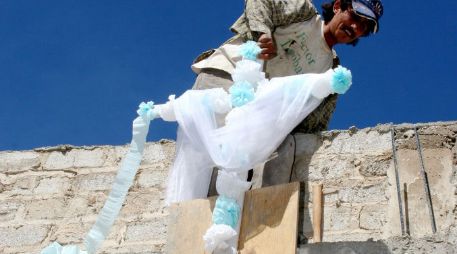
[248, 70]
[250, 134]
[217, 239]
[230, 185]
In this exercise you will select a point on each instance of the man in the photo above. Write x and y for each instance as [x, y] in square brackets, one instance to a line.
[294, 40]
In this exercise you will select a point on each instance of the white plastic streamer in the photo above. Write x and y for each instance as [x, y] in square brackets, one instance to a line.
[121, 185]
[56, 248]
[218, 237]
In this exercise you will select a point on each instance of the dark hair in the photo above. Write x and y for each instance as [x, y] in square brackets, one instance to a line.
[327, 9]
[327, 14]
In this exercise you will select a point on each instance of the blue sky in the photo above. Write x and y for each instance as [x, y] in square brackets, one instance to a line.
[74, 72]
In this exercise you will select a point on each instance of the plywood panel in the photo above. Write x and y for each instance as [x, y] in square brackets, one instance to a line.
[269, 221]
[268, 225]
[188, 222]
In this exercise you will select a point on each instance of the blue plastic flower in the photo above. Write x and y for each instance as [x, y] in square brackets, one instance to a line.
[145, 110]
[341, 80]
[241, 93]
[250, 50]
[226, 211]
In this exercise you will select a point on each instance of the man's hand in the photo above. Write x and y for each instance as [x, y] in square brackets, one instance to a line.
[268, 47]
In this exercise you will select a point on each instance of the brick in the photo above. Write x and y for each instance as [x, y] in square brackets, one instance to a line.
[15, 162]
[77, 207]
[88, 158]
[95, 201]
[375, 166]
[340, 218]
[45, 209]
[120, 152]
[330, 194]
[153, 153]
[58, 160]
[157, 153]
[330, 197]
[146, 230]
[23, 235]
[362, 142]
[152, 177]
[52, 185]
[8, 210]
[335, 219]
[143, 248]
[138, 203]
[452, 235]
[114, 155]
[364, 194]
[75, 232]
[373, 218]
[22, 185]
[321, 167]
[95, 181]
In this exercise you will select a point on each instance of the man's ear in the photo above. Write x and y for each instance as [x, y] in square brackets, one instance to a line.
[336, 6]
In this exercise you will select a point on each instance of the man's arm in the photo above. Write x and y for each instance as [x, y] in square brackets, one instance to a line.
[263, 16]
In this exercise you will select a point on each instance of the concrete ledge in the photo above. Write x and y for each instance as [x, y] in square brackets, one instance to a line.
[344, 248]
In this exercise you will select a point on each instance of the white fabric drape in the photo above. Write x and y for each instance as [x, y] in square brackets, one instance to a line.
[251, 133]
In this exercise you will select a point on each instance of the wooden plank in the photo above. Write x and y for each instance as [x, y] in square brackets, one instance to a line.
[268, 225]
[187, 223]
[317, 213]
[269, 221]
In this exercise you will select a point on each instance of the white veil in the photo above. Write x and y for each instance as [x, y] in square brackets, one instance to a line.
[251, 132]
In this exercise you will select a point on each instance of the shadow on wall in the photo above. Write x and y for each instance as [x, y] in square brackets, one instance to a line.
[314, 142]
[344, 248]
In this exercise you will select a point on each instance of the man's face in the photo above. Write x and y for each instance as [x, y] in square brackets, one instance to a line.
[346, 26]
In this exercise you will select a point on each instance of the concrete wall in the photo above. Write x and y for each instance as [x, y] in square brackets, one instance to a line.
[357, 170]
[55, 193]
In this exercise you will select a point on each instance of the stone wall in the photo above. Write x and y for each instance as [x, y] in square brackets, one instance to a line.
[56, 193]
[357, 170]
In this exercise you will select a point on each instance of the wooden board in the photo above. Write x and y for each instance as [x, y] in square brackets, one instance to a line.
[268, 225]
[187, 223]
[270, 220]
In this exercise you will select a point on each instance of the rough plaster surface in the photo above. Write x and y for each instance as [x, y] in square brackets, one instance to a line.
[56, 193]
[357, 170]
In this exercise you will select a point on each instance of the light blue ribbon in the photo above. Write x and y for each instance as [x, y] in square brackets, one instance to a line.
[226, 211]
[121, 185]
